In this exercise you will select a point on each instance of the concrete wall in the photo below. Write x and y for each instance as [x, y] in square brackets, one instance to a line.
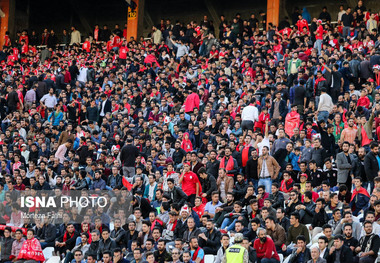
[57, 15]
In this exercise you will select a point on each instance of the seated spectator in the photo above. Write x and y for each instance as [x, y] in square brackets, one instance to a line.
[339, 251]
[17, 243]
[30, 250]
[301, 252]
[161, 255]
[7, 243]
[225, 243]
[296, 229]
[369, 245]
[265, 248]
[276, 232]
[106, 243]
[66, 242]
[238, 213]
[46, 233]
[209, 241]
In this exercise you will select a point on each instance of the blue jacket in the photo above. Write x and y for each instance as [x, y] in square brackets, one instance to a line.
[359, 202]
[98, 184]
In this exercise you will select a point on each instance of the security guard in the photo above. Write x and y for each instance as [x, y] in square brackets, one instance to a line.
[236, 253]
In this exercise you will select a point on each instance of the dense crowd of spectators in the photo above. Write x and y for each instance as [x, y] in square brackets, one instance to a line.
[255, 144]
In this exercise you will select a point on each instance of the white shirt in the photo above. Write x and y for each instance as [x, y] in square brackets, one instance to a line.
[83, 75]
[49, 100]
[103, 105]
[250, 113]
[325, 103]
[322, 253]
[264, 142]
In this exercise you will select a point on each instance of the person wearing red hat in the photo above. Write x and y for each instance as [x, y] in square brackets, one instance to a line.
[190, 183]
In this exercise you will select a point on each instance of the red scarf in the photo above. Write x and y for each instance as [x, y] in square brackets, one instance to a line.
[229, 166]
[66, 236]
[195, 255]
[174, 225]
[361, 191]
[244, 155]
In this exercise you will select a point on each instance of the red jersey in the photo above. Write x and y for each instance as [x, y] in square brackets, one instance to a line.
[301, 24]
[116, 41]
[24, 49]
[123, 52]
[86, 46]
[7, 41]
[189, 183]
[96, 34]
[319, 32]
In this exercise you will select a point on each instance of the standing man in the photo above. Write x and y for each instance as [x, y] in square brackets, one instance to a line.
[236, 253]
[371, 165]
[190, 183]
[105, 106]
[128, 157]
[267, 169]
[344, 163]
[229, 163]
[249, 115]
[325, 105]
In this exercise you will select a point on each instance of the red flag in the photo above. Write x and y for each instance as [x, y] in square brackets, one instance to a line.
[127, 184]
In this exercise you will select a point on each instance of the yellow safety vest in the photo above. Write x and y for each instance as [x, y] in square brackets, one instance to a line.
[235, 254]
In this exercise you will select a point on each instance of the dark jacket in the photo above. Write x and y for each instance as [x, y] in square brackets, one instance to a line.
[144, 205]
[278, 199]
[177, 195]
[117, 181]
[81, 184]
[70, 242]
[93, 249]
[294, 256]
[128, 155]
[371, 166]
[320, 218]
[282, 108]
[128, 238]
[47, 232]
[107, 107]
[213, 240]
[319, 155]
[240, 190]
[6, 248]
[346, 255]
[208, 185]
[212, 168]
[187, 235]
[118, 236]
[251, 169]
[38, 186]
[109, 245]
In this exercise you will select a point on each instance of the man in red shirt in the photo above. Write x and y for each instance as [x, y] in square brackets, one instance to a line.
[86, 45]
[190, 183]
[265, 248]
[319, 36]
[301, 23]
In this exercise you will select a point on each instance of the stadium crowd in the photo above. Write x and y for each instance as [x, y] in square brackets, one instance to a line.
[254, 145]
